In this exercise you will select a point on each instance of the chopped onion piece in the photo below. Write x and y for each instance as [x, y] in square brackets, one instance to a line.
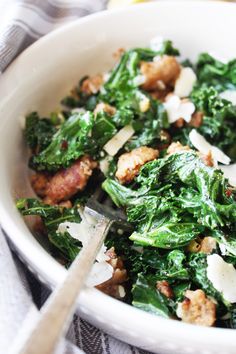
[118, 140]
[184, 83]
[223, 276]
[202, 145]
[229, 95]
[177, 108]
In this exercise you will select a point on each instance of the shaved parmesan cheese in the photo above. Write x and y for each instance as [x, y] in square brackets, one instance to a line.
[144, 104]
[139, 80]
[223, 249]
[101, 256]
[78, 110]
[156, 58]
[118, 140]
[229, 95]
[78, 231]
[184, 83]
[156, 43]
[81, 232]
[230, 173]
[121, 290]
[223, 276]
[177, 108]
[220, 156]
[101, 270]
[106, 77]
[100, 273]
[104, 164]
[179, 310]
[202, 145]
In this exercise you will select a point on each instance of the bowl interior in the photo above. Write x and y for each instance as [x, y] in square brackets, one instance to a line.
[46, 72]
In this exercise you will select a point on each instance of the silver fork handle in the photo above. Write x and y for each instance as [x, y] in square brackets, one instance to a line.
[58, 309]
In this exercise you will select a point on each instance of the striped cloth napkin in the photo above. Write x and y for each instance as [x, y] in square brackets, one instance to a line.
[21, 23]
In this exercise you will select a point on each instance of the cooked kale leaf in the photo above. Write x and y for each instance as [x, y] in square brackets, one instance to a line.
[148, 298]
[176, 198]
[38, 132]
[213, 72]
[68, 144]
[80, 134]
[52, 217]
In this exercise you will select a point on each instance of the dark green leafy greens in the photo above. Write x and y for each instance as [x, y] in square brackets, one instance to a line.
[52, 217]
[149, 299]
[219, 121]
[38, 132]
[174, 201]
[212, 72]
[78, 135]
[166, 195]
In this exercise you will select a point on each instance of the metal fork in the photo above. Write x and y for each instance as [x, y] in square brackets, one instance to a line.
[57, 311]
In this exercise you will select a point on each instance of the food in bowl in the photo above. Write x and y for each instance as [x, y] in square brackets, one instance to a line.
[151, 133]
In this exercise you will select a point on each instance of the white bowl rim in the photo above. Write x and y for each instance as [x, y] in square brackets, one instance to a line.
[86, 299]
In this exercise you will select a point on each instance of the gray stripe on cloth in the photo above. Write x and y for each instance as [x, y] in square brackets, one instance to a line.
[77, 331]
[91, 339]
[56, 12]
[15, 40]
[59, 16]
[21, 30]
[106, 343]
[29, 29]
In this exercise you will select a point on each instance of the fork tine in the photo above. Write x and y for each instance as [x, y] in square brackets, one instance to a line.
[99, 205]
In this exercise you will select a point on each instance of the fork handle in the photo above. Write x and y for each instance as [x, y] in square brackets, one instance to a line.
[58, 309]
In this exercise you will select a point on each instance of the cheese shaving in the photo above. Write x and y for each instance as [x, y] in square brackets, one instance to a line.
[223, 276]
[177, 108]
[118, 140]
[230, 173]
[184, 83]
[229, 95]
[156, 43]
[101, 270]
[202, 145]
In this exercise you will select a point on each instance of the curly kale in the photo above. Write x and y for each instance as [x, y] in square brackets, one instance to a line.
[212, 72]
[78, 135]
[176, 199]
[219, 121]
[38, 132]
[173, 203]
[52, 217]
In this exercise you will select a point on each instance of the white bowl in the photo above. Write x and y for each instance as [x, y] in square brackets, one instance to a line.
[39, 78]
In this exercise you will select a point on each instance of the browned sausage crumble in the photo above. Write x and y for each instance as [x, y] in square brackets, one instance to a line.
[66, 182]
[130, 163]
[197, 308]
[158, 74]
[114, 286]
[164, 287]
